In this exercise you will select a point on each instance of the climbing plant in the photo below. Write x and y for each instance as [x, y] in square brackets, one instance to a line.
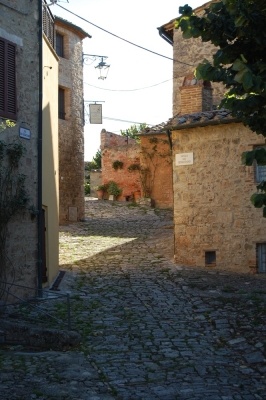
[13, 198]
[152, 156]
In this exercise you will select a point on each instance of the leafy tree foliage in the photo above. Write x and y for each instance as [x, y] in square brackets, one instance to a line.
[133, 131]
[237, 29]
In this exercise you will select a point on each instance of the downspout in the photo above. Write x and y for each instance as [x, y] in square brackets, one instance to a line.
[39, 152]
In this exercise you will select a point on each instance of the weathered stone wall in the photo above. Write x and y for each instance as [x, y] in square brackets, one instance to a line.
[116, 147]
[190, 52]
[71, 132]
[155, 155]
[212, 208]
[95, 180]
[19, 25]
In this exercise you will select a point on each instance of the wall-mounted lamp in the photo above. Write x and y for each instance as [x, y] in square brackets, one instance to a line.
[102, 66]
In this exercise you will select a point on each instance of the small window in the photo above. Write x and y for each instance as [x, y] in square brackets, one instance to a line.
[61, 104]
[260, 170]
[210, 258]
[8, 95]
[59, 44]
[261, 257]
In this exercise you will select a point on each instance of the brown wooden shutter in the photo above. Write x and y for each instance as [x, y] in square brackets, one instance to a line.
[8, 97]
[2, 77]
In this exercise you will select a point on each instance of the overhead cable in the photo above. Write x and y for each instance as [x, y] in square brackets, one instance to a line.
[127, 90]
[125, 40]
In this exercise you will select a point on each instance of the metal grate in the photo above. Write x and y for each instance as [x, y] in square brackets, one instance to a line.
[210, 258]
[48, 24]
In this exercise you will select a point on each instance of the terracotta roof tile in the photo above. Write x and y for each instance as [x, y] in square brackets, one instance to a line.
[203, 118]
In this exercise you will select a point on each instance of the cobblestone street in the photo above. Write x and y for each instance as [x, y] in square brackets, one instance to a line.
[151, 330]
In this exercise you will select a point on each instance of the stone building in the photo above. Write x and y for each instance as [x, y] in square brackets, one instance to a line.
[187, 54]
[215, 223]
[29, 73]
[69, 39]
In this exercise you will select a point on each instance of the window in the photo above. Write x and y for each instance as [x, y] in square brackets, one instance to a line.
[59, 44]
[210, 258]
[61, 103]
[8, 97]
[260, 171]
[261, 257]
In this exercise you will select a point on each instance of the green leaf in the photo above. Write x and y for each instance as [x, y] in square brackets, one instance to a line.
[260, 156]
[258, 200]
[238, 65]
[248, 157]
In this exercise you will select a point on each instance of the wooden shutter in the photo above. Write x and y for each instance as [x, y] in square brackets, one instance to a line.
[8, 97]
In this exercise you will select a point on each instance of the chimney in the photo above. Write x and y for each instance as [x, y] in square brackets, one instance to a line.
[196, 95]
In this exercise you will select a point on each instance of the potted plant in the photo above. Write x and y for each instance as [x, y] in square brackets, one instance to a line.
[113, 190]
[101, 190]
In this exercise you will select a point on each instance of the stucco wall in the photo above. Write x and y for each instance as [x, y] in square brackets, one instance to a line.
[95, 181]
[71, 132]
[212, 208]
[50, 183]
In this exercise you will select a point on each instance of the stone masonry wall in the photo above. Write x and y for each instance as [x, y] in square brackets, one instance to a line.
[192, 52]
[212, 208]
[19, 25]
[71, 132]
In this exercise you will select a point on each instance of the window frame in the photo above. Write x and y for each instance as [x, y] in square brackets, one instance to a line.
[259, 170]
[61, 103]
[60, 46]
[261, 257]
[8, 82]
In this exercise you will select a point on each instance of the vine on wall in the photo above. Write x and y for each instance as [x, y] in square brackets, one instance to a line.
[152, 158]
[13, 198]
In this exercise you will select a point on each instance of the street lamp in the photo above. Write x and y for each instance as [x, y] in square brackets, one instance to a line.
[102, 66]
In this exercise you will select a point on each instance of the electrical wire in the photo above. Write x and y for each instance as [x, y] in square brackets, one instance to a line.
[125, 40]
[129, 90]
[119, 120]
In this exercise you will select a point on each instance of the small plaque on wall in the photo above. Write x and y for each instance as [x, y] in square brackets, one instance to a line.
[184, 159]
[24, 133]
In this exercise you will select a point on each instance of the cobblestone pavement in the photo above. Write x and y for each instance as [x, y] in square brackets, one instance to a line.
[150, 329]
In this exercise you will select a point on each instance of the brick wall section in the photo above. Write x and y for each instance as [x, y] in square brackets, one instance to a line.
[116, 147]
[71, 130]
[155, 154]
[212, 208]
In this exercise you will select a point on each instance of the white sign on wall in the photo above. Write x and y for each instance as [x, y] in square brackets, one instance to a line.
[184, 159]
[24, 133]
[95, 113]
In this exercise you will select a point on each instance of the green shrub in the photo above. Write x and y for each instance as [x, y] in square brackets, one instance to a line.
[87, 188]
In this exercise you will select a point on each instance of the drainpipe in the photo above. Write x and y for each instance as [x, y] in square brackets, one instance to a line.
[39, 152]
